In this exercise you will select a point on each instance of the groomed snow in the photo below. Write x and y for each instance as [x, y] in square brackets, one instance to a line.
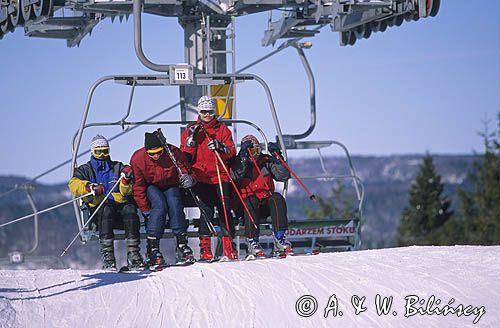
[264, 293]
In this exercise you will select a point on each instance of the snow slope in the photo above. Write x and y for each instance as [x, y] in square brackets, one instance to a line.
[264, 293]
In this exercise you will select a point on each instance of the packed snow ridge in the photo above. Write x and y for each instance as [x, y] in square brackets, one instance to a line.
[400, 287]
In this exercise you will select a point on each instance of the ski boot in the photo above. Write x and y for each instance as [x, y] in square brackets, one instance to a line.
[205, 249]
[184, 252]
[282, 247]
[254, 249]
[228, 251]
[154, 258]
[108, 254]
[134, 258]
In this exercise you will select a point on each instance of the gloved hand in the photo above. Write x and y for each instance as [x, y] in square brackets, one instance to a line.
[95, 189]
[273, 148]
[190, 141]
[186, 181]
[145, 215]
[128, 173]
[244, 148]
[215, 144]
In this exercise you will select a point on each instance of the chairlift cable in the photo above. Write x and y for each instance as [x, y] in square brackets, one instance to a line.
[43, 211]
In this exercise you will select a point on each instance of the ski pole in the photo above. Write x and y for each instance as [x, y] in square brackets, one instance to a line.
[196, 198]
[93, 214]
[230, 179]
[311, 195]
[222, 197]
[43, 211]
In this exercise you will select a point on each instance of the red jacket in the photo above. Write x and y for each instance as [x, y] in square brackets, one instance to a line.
[260, 185]
[203, 160]
[161, 173]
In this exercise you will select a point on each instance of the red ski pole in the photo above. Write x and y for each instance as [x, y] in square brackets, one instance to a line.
[222, 197]
[311, 195]
[235, 188]
[230, 179]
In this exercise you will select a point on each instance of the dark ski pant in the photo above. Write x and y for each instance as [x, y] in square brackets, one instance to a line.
[110, 215]
[274, 205]
[210, 196]
[163, 202]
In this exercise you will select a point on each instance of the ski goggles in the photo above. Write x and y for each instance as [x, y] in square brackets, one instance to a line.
[255, 150]
[100, 152]
[207, 112]
[155, 151]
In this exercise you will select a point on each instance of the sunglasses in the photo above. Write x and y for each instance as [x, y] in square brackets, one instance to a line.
[155, 151]
[101, 151]
[207, 112]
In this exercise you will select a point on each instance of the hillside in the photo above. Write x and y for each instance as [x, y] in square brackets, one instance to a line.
[266, 293]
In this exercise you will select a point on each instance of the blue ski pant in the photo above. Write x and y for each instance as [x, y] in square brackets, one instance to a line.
[165, 202]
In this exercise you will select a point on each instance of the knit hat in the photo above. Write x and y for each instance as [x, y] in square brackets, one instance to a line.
[151, 141]
[98, 142]
[206, 103]
[251, 138]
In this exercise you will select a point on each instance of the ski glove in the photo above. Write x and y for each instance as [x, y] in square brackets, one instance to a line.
[244, 148]
[186, 181]
[127, 172]
[274, 148]
[215, 144]
[190, 141]
[95, 189]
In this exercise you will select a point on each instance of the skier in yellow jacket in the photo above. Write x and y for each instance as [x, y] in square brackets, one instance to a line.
[99, 175]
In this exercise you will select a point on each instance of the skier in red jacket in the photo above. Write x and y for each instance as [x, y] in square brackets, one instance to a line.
[200, 141]
[156, 192]
[254, 172]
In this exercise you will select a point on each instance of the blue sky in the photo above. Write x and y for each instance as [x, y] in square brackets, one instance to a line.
[425, 86]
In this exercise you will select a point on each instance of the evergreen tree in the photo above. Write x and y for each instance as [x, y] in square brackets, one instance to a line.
[428, 208]
[338, 205]
[480, 208]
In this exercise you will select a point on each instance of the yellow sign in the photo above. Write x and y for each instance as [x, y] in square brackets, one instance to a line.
[219, 93]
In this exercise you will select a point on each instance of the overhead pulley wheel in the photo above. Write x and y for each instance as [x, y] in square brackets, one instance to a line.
[398, 20]
[6, 26]
[383, 26]
[16, 17]
[434, 7]
[352, 38]
[363, 31]
[27, 10]
[42, 8]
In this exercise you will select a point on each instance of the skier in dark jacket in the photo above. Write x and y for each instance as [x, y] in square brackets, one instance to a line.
[99, 175]
[156, 192]
[200, 141]
[255, 172]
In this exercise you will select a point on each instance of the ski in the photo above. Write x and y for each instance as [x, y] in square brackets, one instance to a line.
[313, 252]
[226, 259]
[183, 263]
[127, 269]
